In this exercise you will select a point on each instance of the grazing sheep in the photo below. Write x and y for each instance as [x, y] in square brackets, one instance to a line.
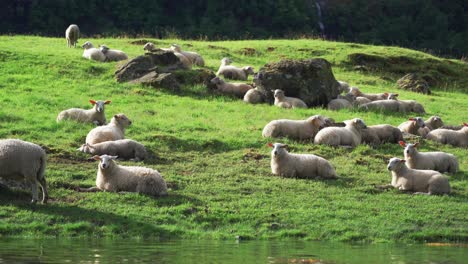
[432, 123]
[254, 96]
[116, 178]
[420, 181]
[94, 115]
[438, 161]
[457, 138]
[72, 34]
[412, 126]
[115, 130]
[341, 102]
[384, 134]
[344, 86]
[236, 89]
[113, 55]
[295, 129]
[299, 165]
[123, 148]
[373, 97]
[194, 57]
[91, 53]
[350, 135]
[287, 102]
[21, 160]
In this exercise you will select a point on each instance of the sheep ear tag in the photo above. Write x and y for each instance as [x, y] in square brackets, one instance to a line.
[402, 143]
[270, 145]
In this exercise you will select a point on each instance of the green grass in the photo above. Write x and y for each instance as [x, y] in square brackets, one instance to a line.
[210, 150]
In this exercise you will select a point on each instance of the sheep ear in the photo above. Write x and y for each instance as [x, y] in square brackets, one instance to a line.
[270, 145]
[396, 95]
[284, 146]
[116, 116]
[107, 102]
[96, 157]
[92, 102]
[386, 94]
[411, 119]
[114, 157]
[402, 143]
[416, 144]
[402, 161]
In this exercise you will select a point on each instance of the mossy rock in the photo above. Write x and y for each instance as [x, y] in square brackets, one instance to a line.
[414, 82]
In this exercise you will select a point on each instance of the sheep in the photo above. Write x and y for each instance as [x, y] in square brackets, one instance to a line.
[457, 138]
[236, 89]
[113, 177]
[412, 125]
[427, 182]
[115, 130]
[341, 102]
[373, 97]
[72, 34]
[194, 57]
[379, 134]
[123, 148]
[295, 129]
[254, 96]
[438, 161]
[412, 106]
[384, 105]
[24, 160]
[94, 115]
[91, 53]
[113, 55]
[233, 72]
[432, 123]
[287, 102]
[350, 135]
[185, 61]
[344, 86]
[149, 46]
[299, 165]
[370, 137]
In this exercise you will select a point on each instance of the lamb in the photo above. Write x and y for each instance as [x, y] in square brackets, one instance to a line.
[115, 130]
[113, 55]
[116, 178]
[236, 89]
[341, 102]
[294, 129]
[438, 161]
[185, 61]
[412, 126]
[72, 34]
[457, 138]
[379, 134]
[254, 96]
[373, 97]
[94, 115]
[233, 72]
[123, 148]
[194, 57]
[287, 102]
[91, 53]
[24, 160]
[427, 182]
[350, 135]
[299, 165]
[432, 123]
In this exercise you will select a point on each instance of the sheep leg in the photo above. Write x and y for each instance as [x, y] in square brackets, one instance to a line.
[45, 194]
[34, 192]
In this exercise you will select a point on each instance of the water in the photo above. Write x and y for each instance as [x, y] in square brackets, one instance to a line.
[186, 251]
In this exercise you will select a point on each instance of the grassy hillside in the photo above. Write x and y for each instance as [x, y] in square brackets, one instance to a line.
[210, 150]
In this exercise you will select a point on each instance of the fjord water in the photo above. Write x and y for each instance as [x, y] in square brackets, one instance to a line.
[196, 251]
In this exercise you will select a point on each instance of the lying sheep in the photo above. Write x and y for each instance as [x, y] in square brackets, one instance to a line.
[236, 89]
[344, 86]
[350, 135]
[373, 97]
[123, 148]
[457, 138]
[194, 57]
[116, 178]
[412, 125]
[149, 46]
[113, 55]
[115, 130]
[185, 61]
[21, 160]
[287, 102]
[432, 123]
[438, 161]
[295, 129]
[412, 106]
[72, 34]
[379, 134]
[91, 53]
[299, 165]
[341, 102]
[420, 181]
[94, 115]
[254, 96]
[361, 100]
[233, 72]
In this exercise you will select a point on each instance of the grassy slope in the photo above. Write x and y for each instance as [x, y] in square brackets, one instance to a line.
[209, 148]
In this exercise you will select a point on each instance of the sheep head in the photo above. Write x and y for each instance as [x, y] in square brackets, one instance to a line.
[105, 161]
[395, 164]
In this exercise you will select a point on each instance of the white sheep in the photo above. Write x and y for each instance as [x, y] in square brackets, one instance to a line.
[457, 138]
[115, 130]
[91, 53]
[341, 102]
[236, 89]
[194, 57]
[233, 72]
[350, 135]
[373, 97]
[149, 46]
[287, 102]
[254, 96]
[344, 86]
[299, 165]
[412, 125]
[72, 34]
[116, 178]
[412, 106]
[94, 115]
[113, 55]
[295, 129]
[436, 160]
[384, 133]
[185, 61]
[420, 181]
[123, 148]
[24, 160]
[432, 123]
[361, 100]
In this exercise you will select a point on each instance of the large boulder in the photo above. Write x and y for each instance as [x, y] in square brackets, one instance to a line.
[414, 82]
[311, 80]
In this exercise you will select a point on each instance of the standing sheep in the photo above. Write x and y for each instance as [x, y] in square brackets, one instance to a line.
[72, 34]
[412, 125]
[123, 148]
[420, 181]
[295, 129]
[287, 102]
[438, 161]
[457, 138]
[350, 135]
[115, 130]
[113, 55]
[299, 165]
[24, 160]
[236, 89]
[91, 53]
[94, 115]
[194, 57]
